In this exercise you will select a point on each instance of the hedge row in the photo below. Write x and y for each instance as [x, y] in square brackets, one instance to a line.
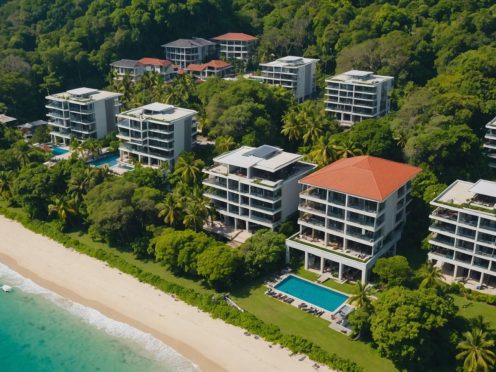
[214, 305]
[472, 295]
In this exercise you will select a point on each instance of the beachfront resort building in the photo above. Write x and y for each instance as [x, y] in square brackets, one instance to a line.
[184, 52]
[254, 188]
[294, 73]
[357, 95]
[463, 233]
[351, 213]
[235, 46]
[81, 113]
[490, 142]
[155, 133]
[216, 67]
[136, 68]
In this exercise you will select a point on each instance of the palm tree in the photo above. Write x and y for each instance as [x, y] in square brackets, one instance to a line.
[170, 209]
[480, 323]
[22, 155]
[361, 298]
[476, 351]
[80, 183]
[431, 275]
[224, 144]
[5, 185]
[347, 149]
[195, 215]
[188, 168]
[63, 208]
[312, 128]
[291, 127]
[323, 152]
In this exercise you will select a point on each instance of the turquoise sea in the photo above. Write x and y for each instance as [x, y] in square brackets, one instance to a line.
[42, 331]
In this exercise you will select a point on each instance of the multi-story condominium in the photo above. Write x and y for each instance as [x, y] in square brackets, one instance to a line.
[254, 188]
[235, 46]
[463, 232]
[81, 113]
[215, 67]
[155, 133]
[129, 67]
[351, 213]
[490, 143]
[184, 52]
[357, 95]
[294, 73]
[136, 68]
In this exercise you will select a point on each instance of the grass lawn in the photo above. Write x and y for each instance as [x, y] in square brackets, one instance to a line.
[345, 287]
[470, 309]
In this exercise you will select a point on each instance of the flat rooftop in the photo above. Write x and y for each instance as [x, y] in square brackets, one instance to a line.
[83, 94]
[477, 196]
[290, 61]
[4, 119]
[265, 157]
[159, 111]
[360, 77]
[492, 124]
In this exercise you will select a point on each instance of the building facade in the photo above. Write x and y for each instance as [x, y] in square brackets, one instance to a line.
[126, 67]
[463, 232]
[294, 73]
[357, 95]
[156, 133]
[184, 52]
[254, 188]
[351, 213]
[490, 142]
[217, 68]
[81, 113]
[136, 68]
[235, 46]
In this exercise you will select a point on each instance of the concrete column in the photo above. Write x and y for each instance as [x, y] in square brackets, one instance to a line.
[364, 276]
[481, 279]
[455, 272]
[287, 254]
[306, 260]
[322, 261]
[340, 275]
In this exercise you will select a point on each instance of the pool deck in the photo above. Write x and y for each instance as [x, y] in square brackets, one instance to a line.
[332, 317]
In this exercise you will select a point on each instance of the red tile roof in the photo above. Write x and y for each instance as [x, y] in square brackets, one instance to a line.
[154, 61]
[196, 67]
[217, 63]
[235, 36]
[363, 176]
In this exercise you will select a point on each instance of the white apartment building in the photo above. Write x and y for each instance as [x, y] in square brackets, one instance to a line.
[235, 46]
[136, 68]
[351, 213]
[254, 188]
[81, 113]
[294, 73]
[155, 133]
[357, 95]
[184, 52]
[490, 143]
[463, 232]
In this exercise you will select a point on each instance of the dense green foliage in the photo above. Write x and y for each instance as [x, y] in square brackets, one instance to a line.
[392, 271]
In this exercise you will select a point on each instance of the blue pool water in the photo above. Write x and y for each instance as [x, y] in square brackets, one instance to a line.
[314, 294]
[110, 160]
[59, 151]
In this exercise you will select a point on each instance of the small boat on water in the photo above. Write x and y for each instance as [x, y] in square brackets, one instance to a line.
[6, 288]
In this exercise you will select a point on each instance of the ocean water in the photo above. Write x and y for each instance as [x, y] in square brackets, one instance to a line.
[42, 331]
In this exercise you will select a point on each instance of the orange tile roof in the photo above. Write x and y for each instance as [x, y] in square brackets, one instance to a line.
[217, 63]
[363, 176]
[196, 67]
[235, 36]
[154, 61]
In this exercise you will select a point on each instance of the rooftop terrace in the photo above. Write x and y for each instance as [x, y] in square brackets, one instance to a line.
[479, 196]
[360, 77]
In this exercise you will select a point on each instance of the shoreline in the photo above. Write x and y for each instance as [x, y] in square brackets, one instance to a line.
[209, 343]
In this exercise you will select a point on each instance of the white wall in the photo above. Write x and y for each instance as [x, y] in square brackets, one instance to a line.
[100, 118]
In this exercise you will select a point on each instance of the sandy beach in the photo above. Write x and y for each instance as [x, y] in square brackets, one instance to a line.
[210, 343]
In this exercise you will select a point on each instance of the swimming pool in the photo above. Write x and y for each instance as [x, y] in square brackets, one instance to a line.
[56, 150]
[110, 160]
[314, 294]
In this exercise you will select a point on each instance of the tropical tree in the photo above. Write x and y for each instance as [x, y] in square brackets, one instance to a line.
[361, 297]
[431, 275]
[188, 168]
[195, 214]
[347, 149]
[5, 185]
[64, 208]
[323, 151]
[224, 144]
[476, 351]
[313, 129]
[170, 209]
[292, 128]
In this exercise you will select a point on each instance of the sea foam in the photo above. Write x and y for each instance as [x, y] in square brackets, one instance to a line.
[156, 348]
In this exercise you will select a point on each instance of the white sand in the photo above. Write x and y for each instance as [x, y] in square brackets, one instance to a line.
[210, 343]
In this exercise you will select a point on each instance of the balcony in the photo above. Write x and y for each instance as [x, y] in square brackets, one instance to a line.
[315, 192]
[445, 227]
[446, 214]
[216, 182]
[313, 207]
[438, 238]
